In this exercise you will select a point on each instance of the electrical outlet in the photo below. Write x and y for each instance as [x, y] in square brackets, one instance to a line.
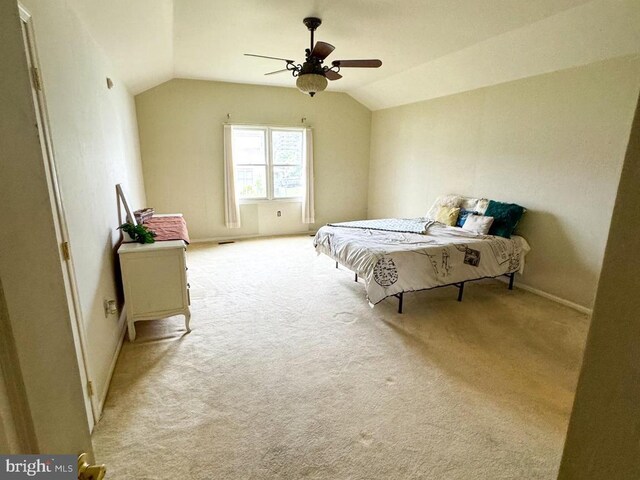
[279, 213]
[110, 307]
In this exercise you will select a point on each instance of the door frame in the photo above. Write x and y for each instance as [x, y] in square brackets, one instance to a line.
[59, 216]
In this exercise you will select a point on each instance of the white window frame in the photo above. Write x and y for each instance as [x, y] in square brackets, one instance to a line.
[269, 162]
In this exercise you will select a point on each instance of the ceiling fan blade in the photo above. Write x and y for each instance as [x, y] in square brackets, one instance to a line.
[331, 75]
[322, 50]
[357, 63]
[277, 71]
[272, 58]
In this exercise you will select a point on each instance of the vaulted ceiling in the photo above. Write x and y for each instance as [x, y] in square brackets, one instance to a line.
[429, 48]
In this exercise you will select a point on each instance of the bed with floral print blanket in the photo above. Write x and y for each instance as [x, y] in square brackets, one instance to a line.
[394, 256]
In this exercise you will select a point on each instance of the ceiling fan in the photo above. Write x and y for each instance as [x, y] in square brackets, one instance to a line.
[312, 75]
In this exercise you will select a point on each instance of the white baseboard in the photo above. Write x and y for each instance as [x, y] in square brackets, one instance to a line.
[552, 297]
[250, 236]
[122, 320]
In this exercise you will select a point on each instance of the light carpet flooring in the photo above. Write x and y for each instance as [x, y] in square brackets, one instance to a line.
[289, 374]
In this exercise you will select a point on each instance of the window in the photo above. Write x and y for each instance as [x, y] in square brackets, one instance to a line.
[268, 162]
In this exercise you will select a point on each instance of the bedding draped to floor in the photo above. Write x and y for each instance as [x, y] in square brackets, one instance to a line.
[289, 374]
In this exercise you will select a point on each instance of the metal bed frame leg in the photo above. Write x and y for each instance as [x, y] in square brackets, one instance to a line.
[512, 277]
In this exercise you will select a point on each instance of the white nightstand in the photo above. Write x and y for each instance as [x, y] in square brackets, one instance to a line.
[154, 276]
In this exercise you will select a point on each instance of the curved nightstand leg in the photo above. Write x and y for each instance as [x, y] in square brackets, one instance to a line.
[132, 331]
[187, 319]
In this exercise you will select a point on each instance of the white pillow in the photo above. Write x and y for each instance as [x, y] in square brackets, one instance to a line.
[478, 224]
[452, 201]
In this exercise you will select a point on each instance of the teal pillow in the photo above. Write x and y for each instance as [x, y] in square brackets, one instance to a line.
[505, 217]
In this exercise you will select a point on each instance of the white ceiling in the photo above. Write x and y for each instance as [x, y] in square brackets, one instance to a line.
[447, 43]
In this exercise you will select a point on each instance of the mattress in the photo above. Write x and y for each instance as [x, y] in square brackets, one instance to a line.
[391, 262]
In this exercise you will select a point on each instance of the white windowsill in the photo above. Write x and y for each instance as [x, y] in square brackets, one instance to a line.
[248, 201]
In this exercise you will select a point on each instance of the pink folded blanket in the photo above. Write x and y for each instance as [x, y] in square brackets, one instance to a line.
[168, 228]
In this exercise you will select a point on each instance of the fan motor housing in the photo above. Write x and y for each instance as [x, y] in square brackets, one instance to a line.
[311, 67]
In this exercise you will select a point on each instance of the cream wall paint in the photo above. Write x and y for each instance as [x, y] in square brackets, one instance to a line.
[603, 440]
[9, 441]
[16, 428]
[95, 145]
[552, 143]
[180, 126]
[34, 304]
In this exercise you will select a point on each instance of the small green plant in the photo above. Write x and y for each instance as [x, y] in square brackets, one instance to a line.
[139, 233]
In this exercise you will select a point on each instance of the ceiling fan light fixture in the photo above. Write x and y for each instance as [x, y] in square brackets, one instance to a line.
[312, 76]
[311, 83]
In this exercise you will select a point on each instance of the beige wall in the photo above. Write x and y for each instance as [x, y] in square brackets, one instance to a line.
[95, 143]
[552, 143]
[9, 441]
[180, 125]
[16, 426]
[35, 303]
[603, 440]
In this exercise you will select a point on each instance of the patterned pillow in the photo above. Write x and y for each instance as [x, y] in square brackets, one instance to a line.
[443, 201]
[481, 206]
[506, 217]
[448, 215]
[462, 216]
[468, 203]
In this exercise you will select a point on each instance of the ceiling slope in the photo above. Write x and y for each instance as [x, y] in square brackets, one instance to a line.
[210, 37]
[137, 35]
[429, 48]
[585, 34]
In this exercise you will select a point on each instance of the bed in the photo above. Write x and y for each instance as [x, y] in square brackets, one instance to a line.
[395, 256]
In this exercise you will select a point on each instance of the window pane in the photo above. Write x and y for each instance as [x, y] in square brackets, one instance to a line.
[287, 181]
[249, 146]
[287, 147]
[251, 182]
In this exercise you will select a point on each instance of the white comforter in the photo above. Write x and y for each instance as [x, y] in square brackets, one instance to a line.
[394, 262]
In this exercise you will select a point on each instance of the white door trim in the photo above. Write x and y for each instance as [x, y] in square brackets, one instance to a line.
[57, 206]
